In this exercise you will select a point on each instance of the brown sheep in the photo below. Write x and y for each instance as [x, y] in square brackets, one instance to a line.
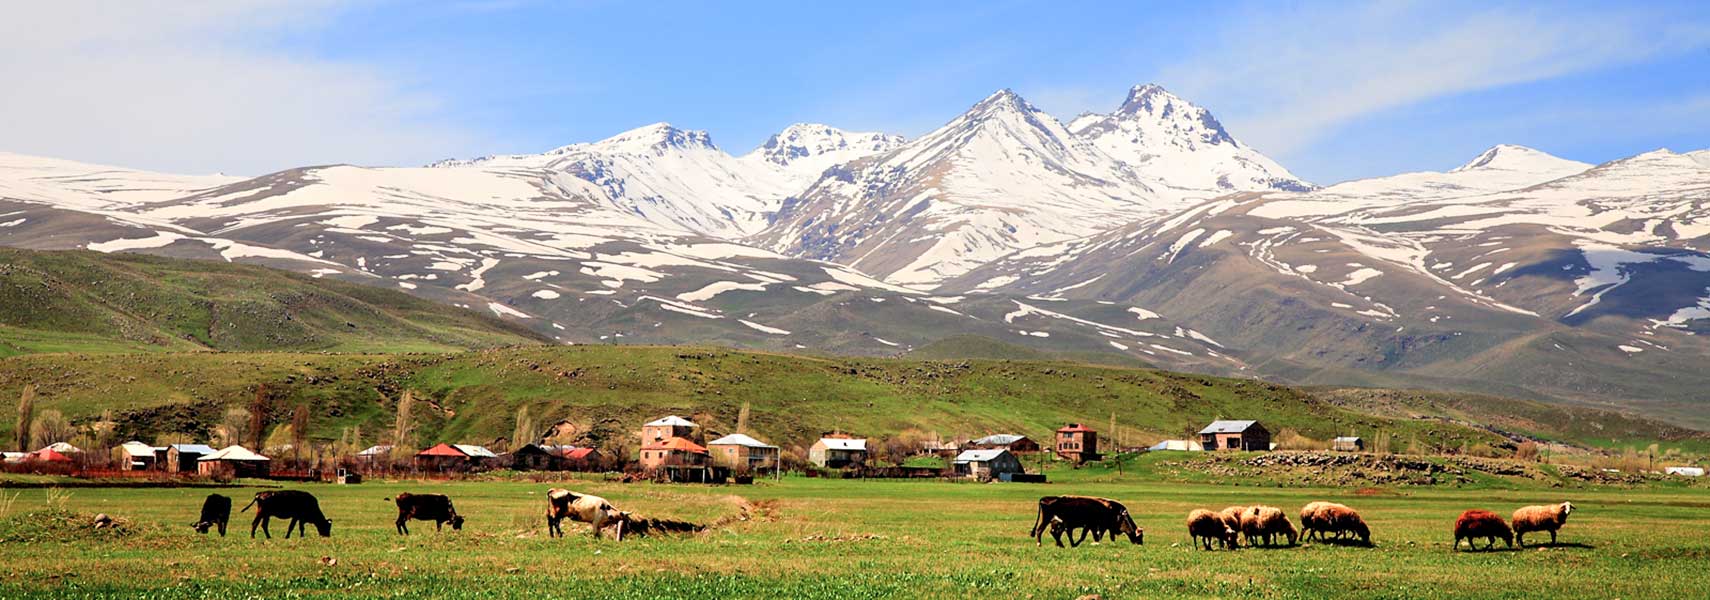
[1266, 523]
[1540, 518]
[1339, 520]
[1476, 523]
[1208, 526]
[1309, 520]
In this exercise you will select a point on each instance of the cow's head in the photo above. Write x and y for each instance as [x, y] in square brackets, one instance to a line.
[201, 526]
[1126, 525]
[324, 527]
[457, 523]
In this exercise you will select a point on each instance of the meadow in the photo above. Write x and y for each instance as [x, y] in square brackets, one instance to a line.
[824, 538]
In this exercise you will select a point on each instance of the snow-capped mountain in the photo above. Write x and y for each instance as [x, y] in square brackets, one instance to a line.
[1180, 149]
[803, 151]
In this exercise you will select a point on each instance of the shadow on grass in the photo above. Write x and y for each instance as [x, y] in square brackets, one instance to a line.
[1579, 545]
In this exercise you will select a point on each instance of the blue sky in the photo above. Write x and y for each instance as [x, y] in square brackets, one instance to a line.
[1332, 91]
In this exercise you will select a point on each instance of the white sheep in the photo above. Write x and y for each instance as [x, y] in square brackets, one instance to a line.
[1540, 518]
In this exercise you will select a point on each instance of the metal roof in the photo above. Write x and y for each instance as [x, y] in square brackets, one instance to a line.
[1227, 427]
[1346, 439]
[1177, 445]
[193, 448]
[63, 448]
[1000, 439]
[134, 448]
[676, 444]
[968, 456]
[235, 453]
[672, 421]
[737, 439]
[376, 450]
[443, 449]
[843, 444]
[475, 451]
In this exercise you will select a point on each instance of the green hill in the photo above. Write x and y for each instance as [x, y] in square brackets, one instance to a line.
[604, 393]
[92, 302]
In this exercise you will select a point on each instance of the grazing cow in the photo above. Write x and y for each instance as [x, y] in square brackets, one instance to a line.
[298, 506]
[427, 507]
[593, 510]
[1096, 515]
[216, 510]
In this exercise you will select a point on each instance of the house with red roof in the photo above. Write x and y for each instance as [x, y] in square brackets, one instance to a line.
[1077, 442]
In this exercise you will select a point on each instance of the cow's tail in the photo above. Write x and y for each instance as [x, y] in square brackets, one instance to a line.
[251, 502]
[1038, 521]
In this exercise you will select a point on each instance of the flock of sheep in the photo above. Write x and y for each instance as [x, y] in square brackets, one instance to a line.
[1267, 524]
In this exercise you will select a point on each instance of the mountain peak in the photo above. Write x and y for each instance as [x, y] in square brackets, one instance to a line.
[1511, 157]
[657, 136]
[816, 146]
[1002, 100]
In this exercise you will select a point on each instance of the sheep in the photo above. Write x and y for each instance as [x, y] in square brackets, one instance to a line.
[1477, 523]
[1339, 519]
[1208, 526]
[1309, 520]
[1540, 518]
[1267, 522]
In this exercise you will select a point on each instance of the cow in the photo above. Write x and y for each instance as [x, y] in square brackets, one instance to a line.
[427, 507]
[593, 510]
[216, 511]
[1095, 515]
[297, 505]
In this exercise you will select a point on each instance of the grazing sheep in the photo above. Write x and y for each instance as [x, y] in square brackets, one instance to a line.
[1267, 523]
[1309, 520]
[1540, 518]
[1476, 523]
[1340, 520]
[1209, 526]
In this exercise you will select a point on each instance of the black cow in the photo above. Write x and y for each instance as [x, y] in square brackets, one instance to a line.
[427, 507]
[298, 506]
[216, 510]
[1094, 515]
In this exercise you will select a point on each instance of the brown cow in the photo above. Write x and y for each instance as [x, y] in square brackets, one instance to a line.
[1094, 515]
[297, 505]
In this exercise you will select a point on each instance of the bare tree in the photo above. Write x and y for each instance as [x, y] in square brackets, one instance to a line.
[258, 416]
[26, 414]
[299, 431]
[404, 422]
[234, 427]
[524, 433]
[51, 428]
[742, 418]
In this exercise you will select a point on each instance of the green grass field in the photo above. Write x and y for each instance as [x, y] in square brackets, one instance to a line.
[817, 538]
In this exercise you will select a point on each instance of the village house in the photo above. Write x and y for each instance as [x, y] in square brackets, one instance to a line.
[447, 457]
[743, 454]
[232, 462]
[1235, 435]
[1077, 442]
[669, 427]
[181, 458]
[534, 457]
[1007, 441]
[838, 452]
[673, 452]
[986, 464]
[137, 456]
[1348, 444]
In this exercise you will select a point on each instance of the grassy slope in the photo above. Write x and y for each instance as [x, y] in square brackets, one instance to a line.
[92, 302]
[472, 397]
[820, 538]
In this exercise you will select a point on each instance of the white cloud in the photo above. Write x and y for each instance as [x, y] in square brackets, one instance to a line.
[1283, 82]
[200, 87]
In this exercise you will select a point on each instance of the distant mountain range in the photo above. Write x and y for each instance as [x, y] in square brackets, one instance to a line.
[1149, 232]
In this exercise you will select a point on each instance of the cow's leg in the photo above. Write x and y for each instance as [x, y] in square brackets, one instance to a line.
[620, 524]
[253, 524]
[1057, 534]
[290, 525]
[439, 525]
[1077, 543]
[222, 524]
[403, 525]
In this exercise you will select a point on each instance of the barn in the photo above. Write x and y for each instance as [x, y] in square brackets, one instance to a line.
[181, 458]
[986, 464]
[232, 462]
[1235, 435]
[838, 452]
[1006, 441]
[742, 453]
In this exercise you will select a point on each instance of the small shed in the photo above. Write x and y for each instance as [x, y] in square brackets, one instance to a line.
[838, 453]
[743, 453]
[673, 452]
[986, 464]
[182, 458]
[1685, 471]
[1006, 441]
[1348, 444]
[233, 461]
[1235, 435]
[137, 456]
[534, 457]
[1175, 446]
[378, 454]
[669, 427]
[1077, 442]
[479, 456]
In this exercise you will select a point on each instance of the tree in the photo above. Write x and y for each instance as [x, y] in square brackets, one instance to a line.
[742, 418]
[403, 423]
[299, 431]
[281, 438]
[51, 428]
[258, 416]
[26, 414]
[233, 428]
[524, 432]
